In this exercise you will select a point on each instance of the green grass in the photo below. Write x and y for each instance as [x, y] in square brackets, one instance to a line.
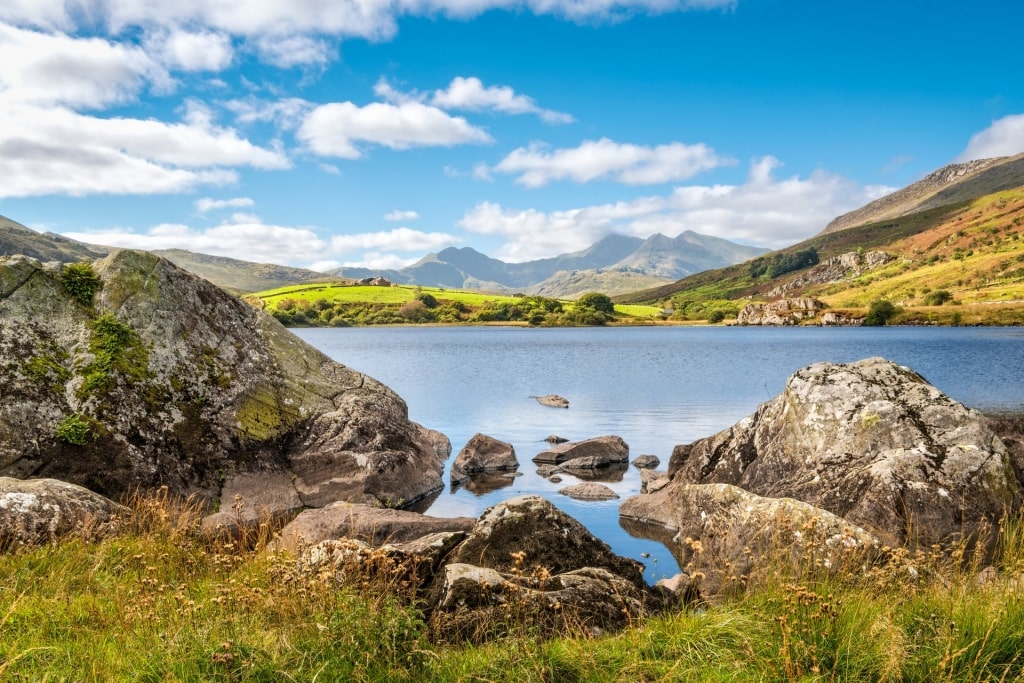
[160, 604]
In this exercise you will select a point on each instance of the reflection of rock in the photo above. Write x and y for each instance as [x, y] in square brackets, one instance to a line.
[605, 449]
[548, 470]
[555, 439]
[40, 511]
[589, 491]
[483, 454]
[872, 442]
[610, 473]
[646, 461]
[373, 525]
[722, 531]
[553, 400]
[485, 482]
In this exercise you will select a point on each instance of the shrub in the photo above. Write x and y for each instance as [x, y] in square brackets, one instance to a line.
[80, 282]
[415, 311]
[716, 317]
[73, 430]
[937, 298]
[880, 313]
[596, 301]
[428, 300]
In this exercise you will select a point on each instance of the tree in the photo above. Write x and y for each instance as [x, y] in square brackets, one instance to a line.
[596, 301]
[880, 313]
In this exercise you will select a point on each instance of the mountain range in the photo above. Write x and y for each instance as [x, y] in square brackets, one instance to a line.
[613, 264]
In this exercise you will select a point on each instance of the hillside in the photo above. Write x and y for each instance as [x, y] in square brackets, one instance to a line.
[15, 238]
[948, 185]
[614, 264]
[242, 276]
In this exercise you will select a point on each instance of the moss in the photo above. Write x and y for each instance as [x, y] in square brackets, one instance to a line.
[74, 430]
[116, 348]
[80, 282]
[261, 415]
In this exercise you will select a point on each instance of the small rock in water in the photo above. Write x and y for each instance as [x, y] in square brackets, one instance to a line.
[646, 461]
[553, 400]
[645, 555]
[589, 491]
[555, 438]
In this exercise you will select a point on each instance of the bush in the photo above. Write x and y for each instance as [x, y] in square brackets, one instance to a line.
[596, 301]
[880, 313]
[937, 298]
[716, 317]
[415, 311]
[80, 282]
[428, 300]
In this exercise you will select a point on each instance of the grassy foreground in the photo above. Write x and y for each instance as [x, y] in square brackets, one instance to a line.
[158, 604]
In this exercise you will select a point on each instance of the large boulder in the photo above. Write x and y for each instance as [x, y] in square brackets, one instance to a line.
[39, 511]
[547, 538]
[373, 525]
[781, 312]
[481, 454]
[720, 533]
[872, 442]
[160, 378]
[602, 451]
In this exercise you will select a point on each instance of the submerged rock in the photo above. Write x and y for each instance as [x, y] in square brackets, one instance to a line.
[871, 442]
[160, 378]
[40, 511]
[601, 451]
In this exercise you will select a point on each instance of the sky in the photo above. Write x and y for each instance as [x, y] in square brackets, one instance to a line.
[324, 133]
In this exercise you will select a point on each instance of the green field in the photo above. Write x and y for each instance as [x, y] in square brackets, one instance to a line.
[330, 304]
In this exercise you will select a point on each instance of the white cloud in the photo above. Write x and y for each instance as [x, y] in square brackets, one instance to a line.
[399, 239]
[378, 261]
[763, 211]
[202, 51]
[45, 70]
[470, 94]
[397, 215]
[335, 129]
[1005, 137]
[208, 204]
[295, 50]
[329, 168]
[606, 159]
[286, 113]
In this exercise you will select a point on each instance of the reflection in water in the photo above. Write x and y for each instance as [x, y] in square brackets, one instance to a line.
[654, 532]
[484, 483]
[612, 473]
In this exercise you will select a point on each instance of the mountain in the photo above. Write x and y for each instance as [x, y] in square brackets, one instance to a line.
[955, 237]
[614, 264]
[948, 185]
[231, 274]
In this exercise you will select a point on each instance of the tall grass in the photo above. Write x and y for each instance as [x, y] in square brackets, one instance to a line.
[160, 603]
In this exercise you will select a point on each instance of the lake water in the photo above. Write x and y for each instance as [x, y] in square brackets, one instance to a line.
[653, 386]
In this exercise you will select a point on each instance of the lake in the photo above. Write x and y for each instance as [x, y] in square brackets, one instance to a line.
[653, 386]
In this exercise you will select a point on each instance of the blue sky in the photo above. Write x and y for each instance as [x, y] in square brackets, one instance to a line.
[369, 132]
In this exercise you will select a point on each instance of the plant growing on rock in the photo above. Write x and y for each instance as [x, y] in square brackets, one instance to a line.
[80, 282]
[74, 430]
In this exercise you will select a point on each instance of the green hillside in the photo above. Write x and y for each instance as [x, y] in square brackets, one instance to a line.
[338, 305]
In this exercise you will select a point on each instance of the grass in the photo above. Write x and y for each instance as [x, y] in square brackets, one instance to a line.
[158, 603]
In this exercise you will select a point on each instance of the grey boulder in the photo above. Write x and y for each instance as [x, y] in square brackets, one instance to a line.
[41, 511]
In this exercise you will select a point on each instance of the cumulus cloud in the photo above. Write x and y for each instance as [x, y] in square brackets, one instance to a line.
[763, 211]
[296, 50]
[1005, 137]
[470, 94]
[286, 113]
[247, 237]
[207, 204]
[201, 51]
[397, 215]
[605, 159]
[338, 128]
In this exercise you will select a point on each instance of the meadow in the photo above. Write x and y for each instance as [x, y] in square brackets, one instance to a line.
[159, 603]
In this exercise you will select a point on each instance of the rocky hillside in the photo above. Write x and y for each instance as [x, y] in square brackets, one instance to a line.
[948, 185]
[130, 372]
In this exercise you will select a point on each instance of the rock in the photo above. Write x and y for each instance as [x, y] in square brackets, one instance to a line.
[555, 479]
[351, 560]
[719, 533]
[555, 439]
[553, 400]
[609, 449]
[646, 461]
[842, 267]
[651, 481]
[589, 491]
[373, 525]
[547, 471]
[161, 378]
[781, 312]
[477, 604]
[546, 536]
[869, 441]
[40, 511]
[483, 454]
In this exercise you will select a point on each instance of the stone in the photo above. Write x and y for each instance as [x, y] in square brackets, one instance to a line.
[373, 525]
[652, 480]
[871, 442]
[41, 511]
[781, 312]
[196, 391]
[719, 533]
[555, 439]
[478, 604]
[609, 449]
[552, 400]
[351, 560]
[646, 461]
[547, 471]
[589, 491]
[547, 537]
[483, 453]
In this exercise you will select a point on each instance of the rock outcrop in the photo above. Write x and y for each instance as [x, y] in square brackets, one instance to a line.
[160, 378]
[871, 442]
[40, 511]
[836, 269]
[720, 533]
[481, 454]
[781, 312]
[552, 400]
[603, 451]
